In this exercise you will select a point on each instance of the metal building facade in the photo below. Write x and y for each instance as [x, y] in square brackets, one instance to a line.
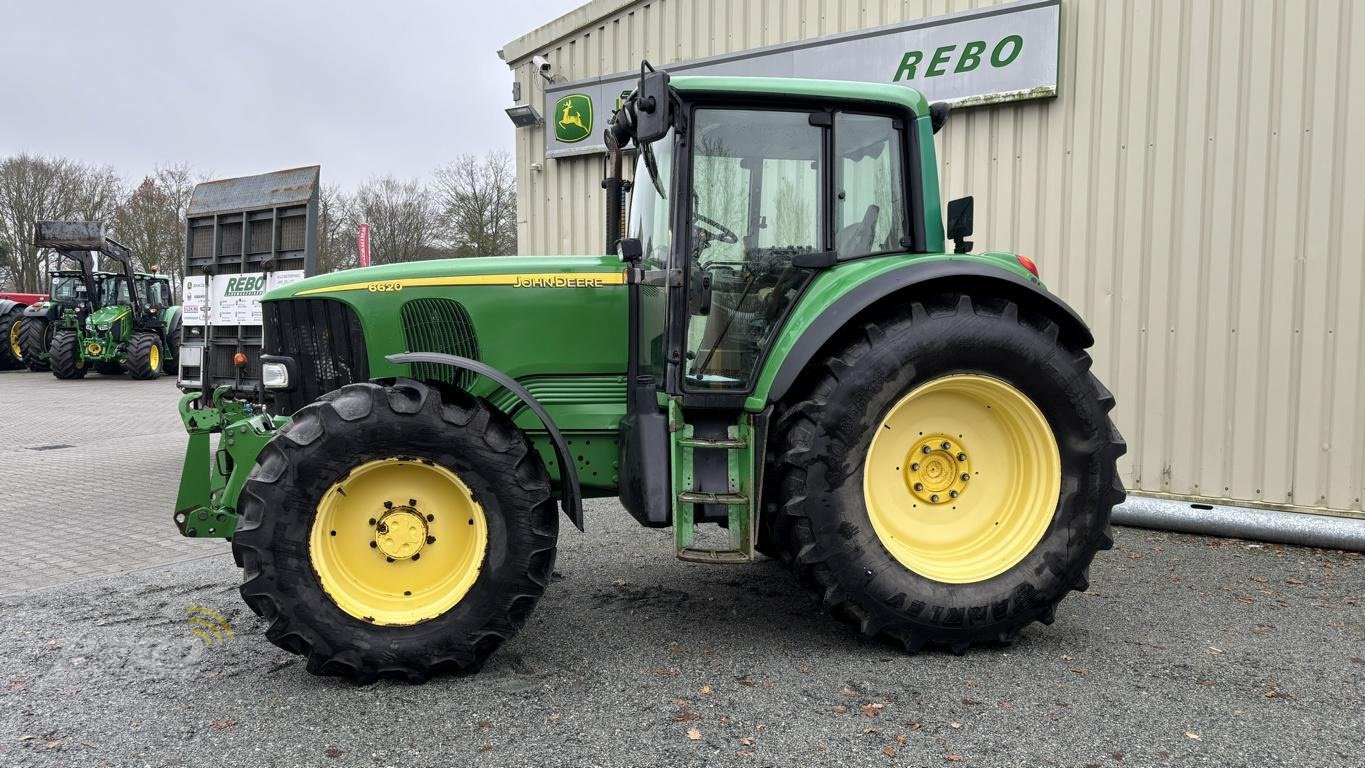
[1196, 191]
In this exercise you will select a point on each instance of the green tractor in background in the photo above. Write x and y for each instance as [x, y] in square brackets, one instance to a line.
[73, 295]
[133, 325]
[782, 356]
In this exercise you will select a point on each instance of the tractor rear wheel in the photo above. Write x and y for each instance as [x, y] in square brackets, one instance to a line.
[64, 355]
[947, 476]
[144, 355]
[34, 341]
[396, 531]
[11, 328]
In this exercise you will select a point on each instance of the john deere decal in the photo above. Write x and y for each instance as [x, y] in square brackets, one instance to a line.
[573, 118]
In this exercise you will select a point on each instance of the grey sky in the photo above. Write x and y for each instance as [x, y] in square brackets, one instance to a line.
[362, 87]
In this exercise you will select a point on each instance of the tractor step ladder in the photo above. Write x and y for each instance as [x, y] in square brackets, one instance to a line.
[738, 498]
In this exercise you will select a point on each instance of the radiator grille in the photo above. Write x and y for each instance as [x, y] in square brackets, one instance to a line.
[324, 338]
[440, 325]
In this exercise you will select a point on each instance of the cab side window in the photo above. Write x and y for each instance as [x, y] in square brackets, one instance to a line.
[869, 186]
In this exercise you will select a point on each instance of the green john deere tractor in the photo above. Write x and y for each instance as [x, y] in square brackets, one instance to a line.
[73, 295]
[132, 326]
[785, 354]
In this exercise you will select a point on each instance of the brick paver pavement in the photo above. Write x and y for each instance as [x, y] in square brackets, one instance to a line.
[88, 476]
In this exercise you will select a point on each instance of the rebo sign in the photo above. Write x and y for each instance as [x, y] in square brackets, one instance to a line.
[1000, 53]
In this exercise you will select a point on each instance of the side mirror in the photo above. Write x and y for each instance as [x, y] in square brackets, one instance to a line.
[653, 106]
[960, 214]
[629, 250]
[938, 114]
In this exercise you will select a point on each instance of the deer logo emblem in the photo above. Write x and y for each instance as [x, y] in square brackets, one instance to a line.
[574, 121]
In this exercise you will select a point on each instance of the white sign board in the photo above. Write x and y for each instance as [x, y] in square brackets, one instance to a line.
[999, 53]
[231, 299]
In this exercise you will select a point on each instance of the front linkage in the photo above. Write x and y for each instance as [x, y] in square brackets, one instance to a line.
[210, 480]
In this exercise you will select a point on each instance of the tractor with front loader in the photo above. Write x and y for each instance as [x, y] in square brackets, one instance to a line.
[73, 294]
[133, 325]
[785, 353]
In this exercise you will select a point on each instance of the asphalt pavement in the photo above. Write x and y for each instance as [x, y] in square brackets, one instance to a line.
[1186, 651]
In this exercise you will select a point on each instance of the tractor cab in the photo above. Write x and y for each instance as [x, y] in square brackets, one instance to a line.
[741, 196]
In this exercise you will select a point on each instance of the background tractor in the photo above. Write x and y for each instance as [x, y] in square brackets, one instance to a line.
[133, 325]
[12, 308]
[73, 295]
[782, 356]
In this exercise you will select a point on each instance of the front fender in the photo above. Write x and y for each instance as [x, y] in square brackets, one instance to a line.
[571, 495]
[834, 302]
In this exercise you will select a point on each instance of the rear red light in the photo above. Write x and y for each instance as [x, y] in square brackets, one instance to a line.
[1028, 264]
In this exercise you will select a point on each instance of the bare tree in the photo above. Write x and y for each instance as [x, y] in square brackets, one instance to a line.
[336, 231]
[403, 220]
[478, 202]
[34, 188]
[151, 221]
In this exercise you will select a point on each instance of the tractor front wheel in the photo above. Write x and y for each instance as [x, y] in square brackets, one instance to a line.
[64, 355]
[34, 341]
[396, 531]
[144, 355]
[947, 476]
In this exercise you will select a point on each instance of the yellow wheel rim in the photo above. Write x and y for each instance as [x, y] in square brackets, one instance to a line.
[154, 358]
[962, 478]
[14, 340]
[398, 541]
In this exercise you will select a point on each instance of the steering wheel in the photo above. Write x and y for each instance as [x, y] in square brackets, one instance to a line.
[719, 232]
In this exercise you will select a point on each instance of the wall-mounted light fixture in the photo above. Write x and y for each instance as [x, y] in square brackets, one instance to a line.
[524, 116]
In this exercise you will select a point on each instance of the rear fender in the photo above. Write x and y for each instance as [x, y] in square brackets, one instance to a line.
[895, 289]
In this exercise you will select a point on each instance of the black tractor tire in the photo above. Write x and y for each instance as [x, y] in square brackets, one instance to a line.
[10, 357]
[818, 520]
[170, 363]
[35, 340]
[139, 355]
[110, 368]
[64, 356]
[360, 423]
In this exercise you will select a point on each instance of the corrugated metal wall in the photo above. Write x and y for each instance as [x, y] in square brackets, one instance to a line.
[1197, 192]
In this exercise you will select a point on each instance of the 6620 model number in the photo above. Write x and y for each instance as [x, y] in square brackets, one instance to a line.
[384, 287]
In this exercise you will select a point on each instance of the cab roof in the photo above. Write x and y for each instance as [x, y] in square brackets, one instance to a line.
[844, 90]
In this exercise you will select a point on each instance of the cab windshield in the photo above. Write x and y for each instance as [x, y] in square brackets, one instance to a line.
[67, 288]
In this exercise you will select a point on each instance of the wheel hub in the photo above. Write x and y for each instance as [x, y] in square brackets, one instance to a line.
[94, 348]
[937, 469]
[14, 340]
[400, 533]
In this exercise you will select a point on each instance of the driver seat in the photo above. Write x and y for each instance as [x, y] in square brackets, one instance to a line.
[856, 238]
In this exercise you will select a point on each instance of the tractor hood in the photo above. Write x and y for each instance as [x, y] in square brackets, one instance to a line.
[102, 318]
[512, 271]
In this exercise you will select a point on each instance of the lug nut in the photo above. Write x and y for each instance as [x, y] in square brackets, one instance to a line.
[946, 445]
[966, 477]
[431, 518]
[374, 545]
[914, 467]
[416, 555]
[934, 497]
[431, 539]
[927, 449]
[412, 502]
[962, 457]
[388, 505]
[952, 494]
[919, 486]
[390, 559]
[372, 521]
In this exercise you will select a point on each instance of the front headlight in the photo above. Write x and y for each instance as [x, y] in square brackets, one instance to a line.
[102, 327]
[274, 376]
